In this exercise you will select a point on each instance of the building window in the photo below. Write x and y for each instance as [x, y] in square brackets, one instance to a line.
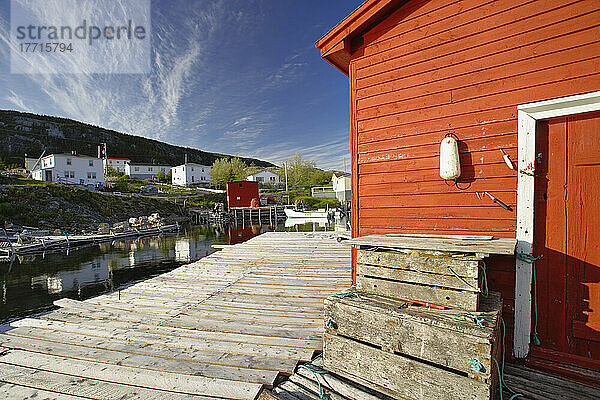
[91, 175]
[91, 162]
[136, 168]
[150, 169]
[68, 161]
[192, 169]
[69, 174]
[66, 174]
[192, 178]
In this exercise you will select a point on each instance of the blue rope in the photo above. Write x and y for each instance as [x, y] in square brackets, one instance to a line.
[501, 382]
[480, 322]
[316, 372]
[329, 324]
[531, 260]
[475, 365]
[349, 293]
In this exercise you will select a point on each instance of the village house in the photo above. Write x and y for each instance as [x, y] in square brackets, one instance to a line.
[190, 174]
[341, 186]
[517, 85]
[145, 171]
[70, 168]
[265, 177]
[117, 164]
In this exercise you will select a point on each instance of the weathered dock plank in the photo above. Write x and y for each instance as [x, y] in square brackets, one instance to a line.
[223, 327]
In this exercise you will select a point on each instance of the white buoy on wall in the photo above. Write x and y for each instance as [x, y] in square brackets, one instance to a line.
[449, 158]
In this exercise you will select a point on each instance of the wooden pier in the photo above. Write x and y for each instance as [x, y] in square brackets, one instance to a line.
[240, 216]
[54, 242]
[221, 328]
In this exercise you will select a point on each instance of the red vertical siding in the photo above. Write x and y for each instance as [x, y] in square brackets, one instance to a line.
[241, 193]
[440, 66]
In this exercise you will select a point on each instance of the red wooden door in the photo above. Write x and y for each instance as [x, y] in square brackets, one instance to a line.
[567, 233]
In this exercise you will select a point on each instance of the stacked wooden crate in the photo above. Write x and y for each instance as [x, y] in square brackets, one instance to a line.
[382, 336]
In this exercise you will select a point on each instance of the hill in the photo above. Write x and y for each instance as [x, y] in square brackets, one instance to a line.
[24, 133]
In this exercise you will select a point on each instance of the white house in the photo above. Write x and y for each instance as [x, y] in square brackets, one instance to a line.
[69, 168]
[145, 171]
[342, 186]
[190, 174]
[115, 163]
[265, 177]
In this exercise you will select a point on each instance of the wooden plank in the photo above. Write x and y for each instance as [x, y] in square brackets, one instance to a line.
[120, 331]
[182, 321]
[91, 349]
[494, 246]
[32, 383]
[293, 331]
[405, 291]
[187, 384]
[403, 275]
[467, 267]
[396, 375]
[12, 391]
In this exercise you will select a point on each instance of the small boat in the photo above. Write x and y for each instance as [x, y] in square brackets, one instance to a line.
[290, 213]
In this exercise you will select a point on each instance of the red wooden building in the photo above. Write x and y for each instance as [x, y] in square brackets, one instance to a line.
[241, 193]
[521, 77]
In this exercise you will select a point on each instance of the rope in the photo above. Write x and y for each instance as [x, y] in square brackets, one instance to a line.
[475, 365]
[484, 289]
[349, 293]
[460, 277]
[501, 382]
[316, 372]
[531, 260]
[330, 324]
[480, 322]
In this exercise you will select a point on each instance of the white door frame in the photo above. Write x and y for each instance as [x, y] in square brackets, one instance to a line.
[528, 114]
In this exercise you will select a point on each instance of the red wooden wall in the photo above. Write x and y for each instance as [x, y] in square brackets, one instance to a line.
[439, 66]
[241, 193]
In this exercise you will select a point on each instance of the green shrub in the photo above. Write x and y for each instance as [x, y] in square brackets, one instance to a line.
[318, 202]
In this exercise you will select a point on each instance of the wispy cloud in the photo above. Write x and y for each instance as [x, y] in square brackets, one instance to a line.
[13, 98]
[327, 155]
[147, 105]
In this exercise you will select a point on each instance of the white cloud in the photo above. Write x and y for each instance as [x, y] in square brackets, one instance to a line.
[18, 102]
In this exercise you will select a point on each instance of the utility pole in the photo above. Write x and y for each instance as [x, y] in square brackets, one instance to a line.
[286, 179]
[36, 164]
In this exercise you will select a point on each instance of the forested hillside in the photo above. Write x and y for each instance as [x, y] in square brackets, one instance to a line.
[23, 133]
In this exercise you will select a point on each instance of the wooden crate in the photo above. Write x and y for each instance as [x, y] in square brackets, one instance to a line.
[410, 351]
[438, 278]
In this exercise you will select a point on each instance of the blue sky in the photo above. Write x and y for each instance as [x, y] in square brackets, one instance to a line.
[240, 77]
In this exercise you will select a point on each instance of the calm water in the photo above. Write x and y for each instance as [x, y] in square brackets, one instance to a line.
[31, 284]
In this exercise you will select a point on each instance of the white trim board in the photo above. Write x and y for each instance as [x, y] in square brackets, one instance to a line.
[528, 114]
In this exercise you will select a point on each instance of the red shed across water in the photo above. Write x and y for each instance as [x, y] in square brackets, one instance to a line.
[521, 79]
[241, 193]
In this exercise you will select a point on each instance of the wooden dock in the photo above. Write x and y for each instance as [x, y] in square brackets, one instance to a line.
[221, 328]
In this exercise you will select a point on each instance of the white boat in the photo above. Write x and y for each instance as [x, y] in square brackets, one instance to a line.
[307, 214]
[320, 222]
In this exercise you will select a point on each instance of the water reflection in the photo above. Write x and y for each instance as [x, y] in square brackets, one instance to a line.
[31, 283]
